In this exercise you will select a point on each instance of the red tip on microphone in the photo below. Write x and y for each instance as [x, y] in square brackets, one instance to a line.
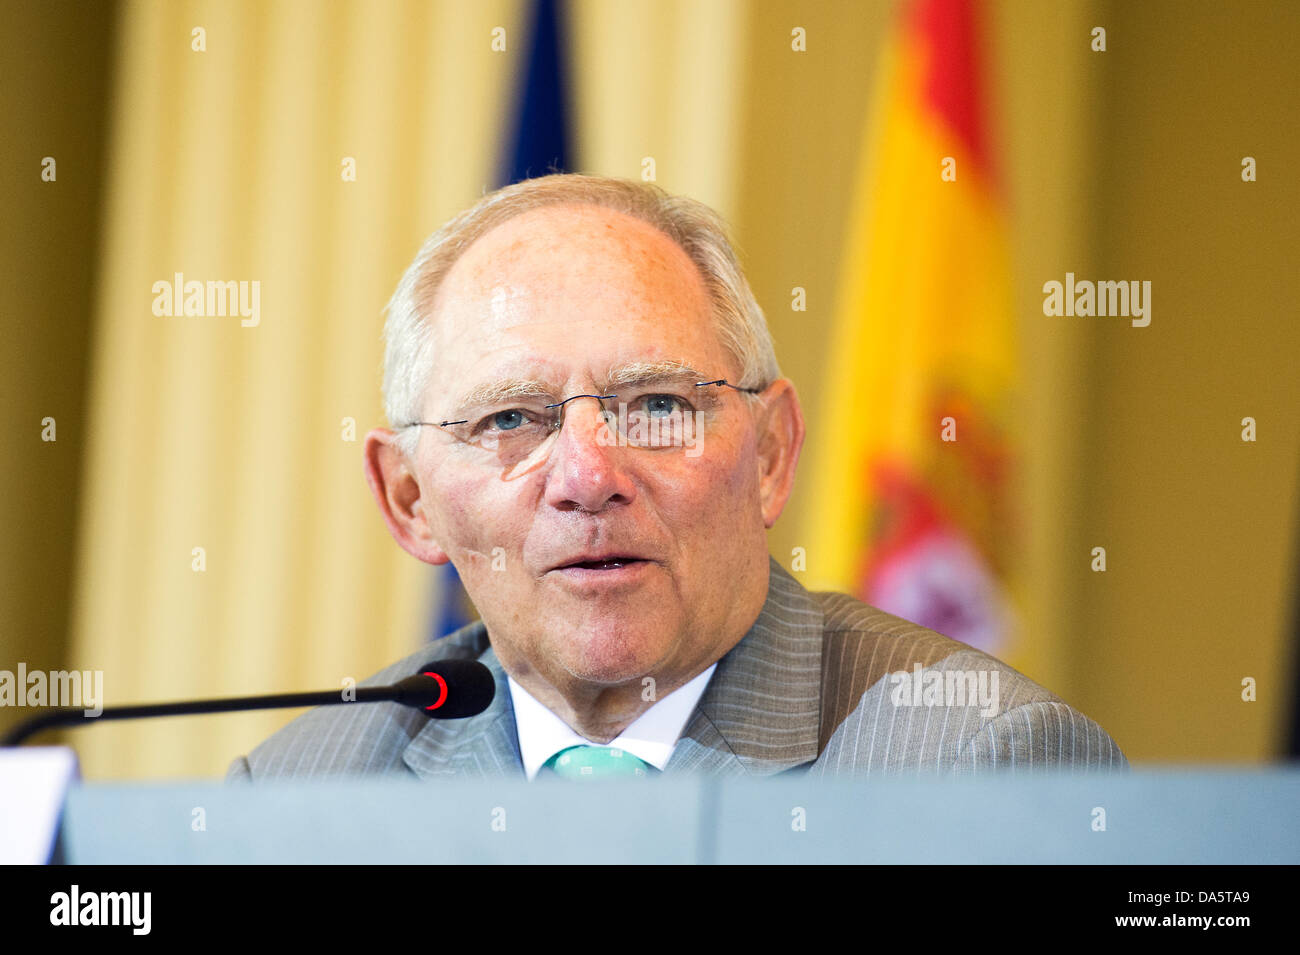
[442, 685]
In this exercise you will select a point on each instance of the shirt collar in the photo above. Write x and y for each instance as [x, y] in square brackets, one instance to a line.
[650, 737]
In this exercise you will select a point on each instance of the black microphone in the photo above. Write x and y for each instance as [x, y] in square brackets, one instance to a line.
[442, 689]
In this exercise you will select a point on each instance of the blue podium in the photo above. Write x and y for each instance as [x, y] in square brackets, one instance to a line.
[1228, 817]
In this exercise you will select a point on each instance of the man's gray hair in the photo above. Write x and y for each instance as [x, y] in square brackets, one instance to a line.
[695, 227]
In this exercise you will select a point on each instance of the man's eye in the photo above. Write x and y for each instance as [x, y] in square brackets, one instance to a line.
[509, 420]
[662, 406]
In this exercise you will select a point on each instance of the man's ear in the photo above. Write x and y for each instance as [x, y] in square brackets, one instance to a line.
[780, 437]
[392, 480]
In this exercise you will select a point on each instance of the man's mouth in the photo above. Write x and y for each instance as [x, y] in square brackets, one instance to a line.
[603, 563]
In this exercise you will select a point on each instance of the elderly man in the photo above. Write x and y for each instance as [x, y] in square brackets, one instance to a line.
[589, 423]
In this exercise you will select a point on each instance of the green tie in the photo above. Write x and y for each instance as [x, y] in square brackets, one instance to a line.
[595, 762]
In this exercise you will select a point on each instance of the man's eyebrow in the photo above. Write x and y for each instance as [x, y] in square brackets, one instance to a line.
[628, 375]
[649, 372]
[512, 389]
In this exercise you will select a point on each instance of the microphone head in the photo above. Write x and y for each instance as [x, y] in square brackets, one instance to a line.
[449, 689]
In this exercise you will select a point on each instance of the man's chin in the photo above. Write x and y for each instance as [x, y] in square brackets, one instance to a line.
[611, 658]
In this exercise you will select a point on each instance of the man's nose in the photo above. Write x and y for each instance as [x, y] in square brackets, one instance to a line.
[588, 467]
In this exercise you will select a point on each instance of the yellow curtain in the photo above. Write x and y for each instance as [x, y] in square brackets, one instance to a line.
[663, 80]
[228, 164]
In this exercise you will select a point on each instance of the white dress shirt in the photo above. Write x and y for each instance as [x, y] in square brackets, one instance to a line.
[650, 737]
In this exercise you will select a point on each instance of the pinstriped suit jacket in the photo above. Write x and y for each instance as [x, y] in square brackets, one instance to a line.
[811, 688]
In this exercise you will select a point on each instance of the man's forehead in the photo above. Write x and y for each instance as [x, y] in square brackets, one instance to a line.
[557, 247]
[570, 304]
[514, 334]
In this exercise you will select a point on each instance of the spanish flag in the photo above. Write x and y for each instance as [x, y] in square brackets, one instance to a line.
[910, 508]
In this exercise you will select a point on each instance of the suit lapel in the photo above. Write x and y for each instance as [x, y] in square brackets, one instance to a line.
[482, 745]
[761, 711]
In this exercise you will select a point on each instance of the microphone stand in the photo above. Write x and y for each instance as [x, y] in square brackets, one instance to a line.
[424, 690]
